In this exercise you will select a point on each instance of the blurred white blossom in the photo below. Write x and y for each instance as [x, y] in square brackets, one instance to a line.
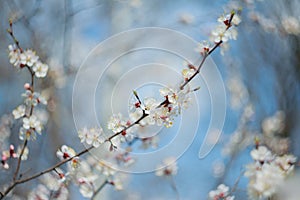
[32, 122]
[14, 55]
[19, 112]
[167, 168]
[93, 136]
[25, 153]
[261, 154]
[28, 57]
[116, 123]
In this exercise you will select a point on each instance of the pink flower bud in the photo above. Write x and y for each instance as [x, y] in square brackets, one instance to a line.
[27, 86]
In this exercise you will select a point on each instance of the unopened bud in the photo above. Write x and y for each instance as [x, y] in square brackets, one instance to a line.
[27, 86]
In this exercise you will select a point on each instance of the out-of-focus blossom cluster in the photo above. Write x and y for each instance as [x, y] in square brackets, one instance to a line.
[221, 193]
[242, 137]
[186, 18]
[91, 172]
[51, 186]
[167, 168]
[286, 25]
[268, 172]
[238, 92]
[88, 173]
[27, 58]
[273, 128]
[6, 123]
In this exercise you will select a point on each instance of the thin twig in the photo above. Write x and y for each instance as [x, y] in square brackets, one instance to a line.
[206, 55]
[237, 182]
[99, 189]
[174, 187]
[127, 127]
[19, 160]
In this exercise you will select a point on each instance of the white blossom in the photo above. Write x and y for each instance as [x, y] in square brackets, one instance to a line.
[41, 192]
[286, 163]
[31, 98]
[32, 122]
[261, 154]
[187, 73]
[268, 172]
[170, 94]
[274, 124]
[117, 183]
[14, 55]
[236, 20]
[203, 47]
[220, 34]
[28, 58]
[86, 186]
[116, 123]
[19, 111]
[25, 153]
[27, 134]
[51, 181]
[150, 142]
[65, 152]
[40, 69]
[93, 136]
[265, 182]
[106, 169]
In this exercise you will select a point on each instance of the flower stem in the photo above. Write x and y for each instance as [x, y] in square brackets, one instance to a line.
[20, 160]
[99, 189]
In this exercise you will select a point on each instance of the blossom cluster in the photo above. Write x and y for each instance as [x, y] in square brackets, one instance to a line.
[32, 124]
[273, 129]
[27, 58]
[51, 186]
[146, 112]
[226, 30]
[268, 172]
[162, 112]
[93, 136]
[32, 120]
[221, 193]
[66, 152]
[86, 173]
[90, 174]
[11, 154]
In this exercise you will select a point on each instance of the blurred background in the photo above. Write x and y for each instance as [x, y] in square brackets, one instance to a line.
[261, 72]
